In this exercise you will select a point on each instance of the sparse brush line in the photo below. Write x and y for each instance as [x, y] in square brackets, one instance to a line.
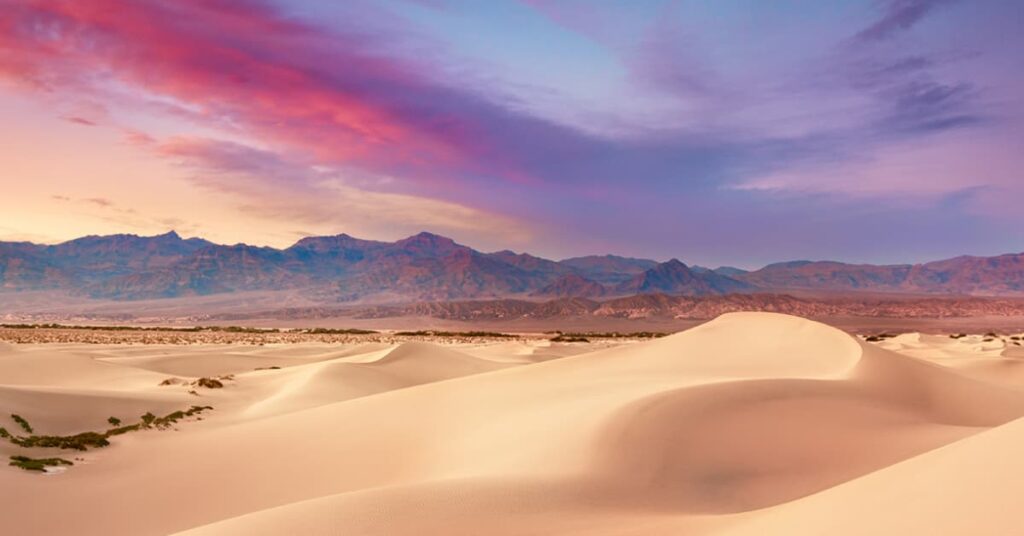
[334, 331]
[613, 334]
[436, 333]
[197, 329]
[86, 440]
[192, 329]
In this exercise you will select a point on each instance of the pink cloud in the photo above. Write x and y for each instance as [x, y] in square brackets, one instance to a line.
[81, 121]
[244, 65]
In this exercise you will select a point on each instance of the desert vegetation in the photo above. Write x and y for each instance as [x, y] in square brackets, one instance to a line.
[569, 338]
[37, 464]
[467, 334]
[188, 329]
[22, 423]
[208, 383]
[612, 334]
[86, 440]
[58, 333]
[335, 331]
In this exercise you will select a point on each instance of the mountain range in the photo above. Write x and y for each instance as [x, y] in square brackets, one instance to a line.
[426, 266]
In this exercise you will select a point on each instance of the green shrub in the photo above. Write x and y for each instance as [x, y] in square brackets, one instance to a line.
[22, 423]
[37, 464]
[123, 430]
[87, 440]
[80, 441]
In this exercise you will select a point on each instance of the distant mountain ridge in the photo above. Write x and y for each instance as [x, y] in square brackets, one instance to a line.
[427, 266]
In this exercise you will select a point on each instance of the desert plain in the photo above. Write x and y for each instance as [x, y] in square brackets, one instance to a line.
[750, 424]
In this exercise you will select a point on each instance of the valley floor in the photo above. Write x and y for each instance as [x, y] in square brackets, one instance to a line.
[753, 423]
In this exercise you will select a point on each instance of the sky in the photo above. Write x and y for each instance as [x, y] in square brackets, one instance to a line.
[735, 132]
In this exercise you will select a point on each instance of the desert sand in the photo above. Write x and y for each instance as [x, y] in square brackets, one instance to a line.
[753, 423]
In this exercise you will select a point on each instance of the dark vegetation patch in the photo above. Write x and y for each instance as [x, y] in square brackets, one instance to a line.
[569, 338]
[275, 367]
[209, 383]
[86, 440]
[613, 334]
[37, 464]
[957, 335]
[435, 333]
[336, 331]
[879, 337]
[171, 418]
[82, 441]
[124, 429]
[22, 423]
[192, 329]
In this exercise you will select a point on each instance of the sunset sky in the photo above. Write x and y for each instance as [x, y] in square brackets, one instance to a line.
[719, 132]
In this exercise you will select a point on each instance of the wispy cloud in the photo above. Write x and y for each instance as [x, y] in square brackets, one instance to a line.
[898, 16]
[267, 185]
[106, 210]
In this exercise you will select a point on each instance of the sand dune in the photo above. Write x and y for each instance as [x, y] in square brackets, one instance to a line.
[992, 359]
[364, 374]
[972, 486]
[747, 424]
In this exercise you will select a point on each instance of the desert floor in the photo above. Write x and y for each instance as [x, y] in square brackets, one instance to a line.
[751, 424]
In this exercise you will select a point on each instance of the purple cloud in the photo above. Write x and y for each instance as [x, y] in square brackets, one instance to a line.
[898, 16]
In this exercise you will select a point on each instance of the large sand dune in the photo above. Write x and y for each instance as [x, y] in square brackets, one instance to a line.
[754, 423]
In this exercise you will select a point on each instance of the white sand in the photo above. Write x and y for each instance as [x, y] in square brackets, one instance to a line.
[754, 423]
